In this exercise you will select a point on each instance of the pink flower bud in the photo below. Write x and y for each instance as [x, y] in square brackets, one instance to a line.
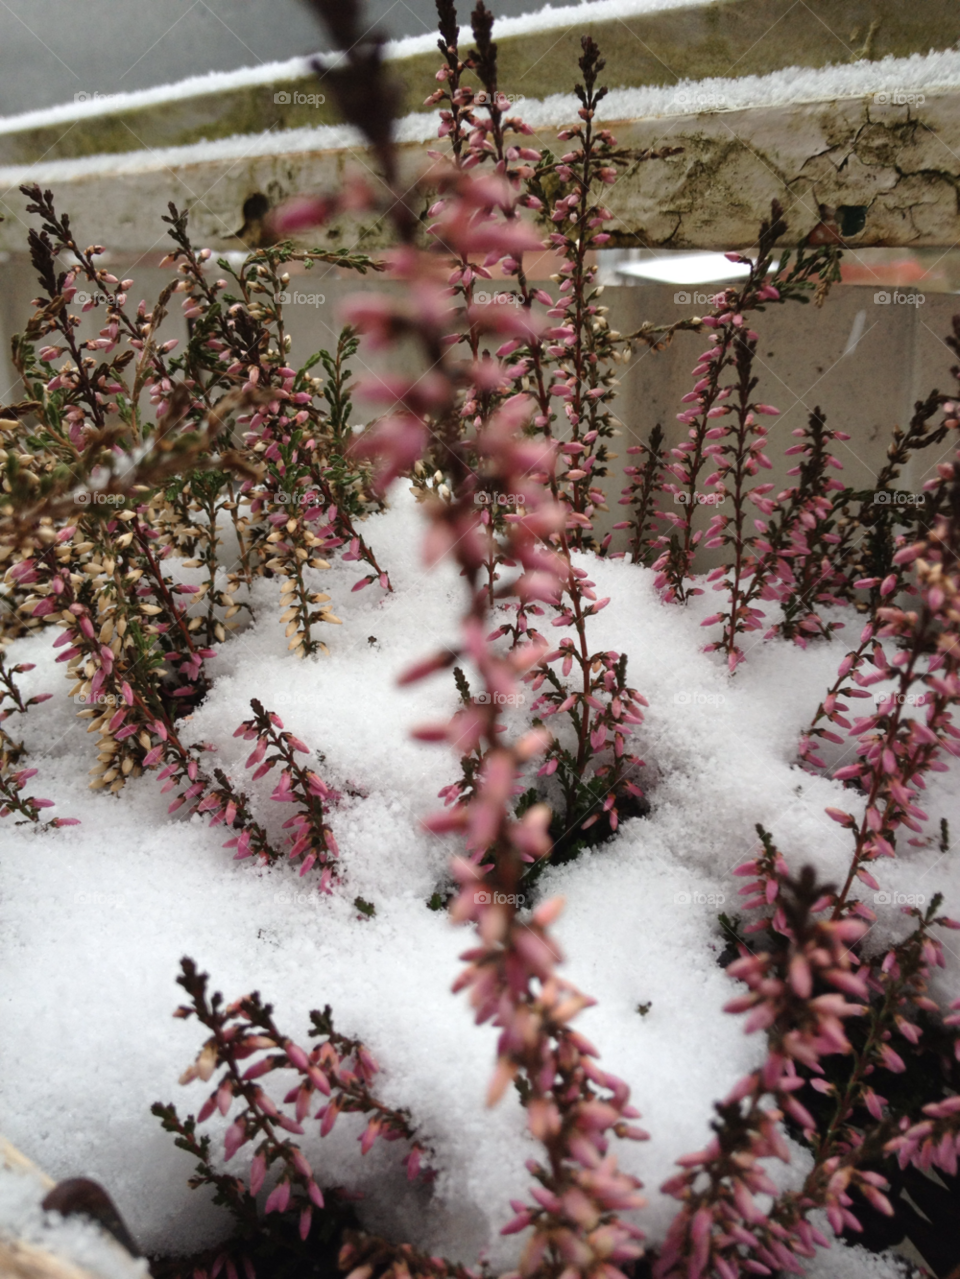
[278, 1198]
[234, 1138]
[296, 1056]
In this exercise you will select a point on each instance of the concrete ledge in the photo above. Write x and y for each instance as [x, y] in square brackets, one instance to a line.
[892, 172]
[729, 38]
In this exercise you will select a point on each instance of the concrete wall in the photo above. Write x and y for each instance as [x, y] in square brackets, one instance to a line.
[53, 49]
[803, 360]
[803, 364]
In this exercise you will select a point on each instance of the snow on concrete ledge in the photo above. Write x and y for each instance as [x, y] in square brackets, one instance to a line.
[86, 106]
[647, 44]
[880, 140]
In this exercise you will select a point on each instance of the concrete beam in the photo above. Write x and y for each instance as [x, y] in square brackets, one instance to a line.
[891, 172]
[728, 38]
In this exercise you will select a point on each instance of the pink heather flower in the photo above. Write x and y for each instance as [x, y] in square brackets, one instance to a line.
[300, 213]
[233, 1139]
[279, 1198]
[258, 1170]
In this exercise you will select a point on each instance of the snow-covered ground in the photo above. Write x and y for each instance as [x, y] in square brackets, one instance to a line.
[94, 918]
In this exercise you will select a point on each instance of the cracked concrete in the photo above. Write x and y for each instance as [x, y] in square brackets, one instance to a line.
[901, 164]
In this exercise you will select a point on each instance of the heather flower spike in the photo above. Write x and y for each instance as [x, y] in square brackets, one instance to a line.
[168, 493]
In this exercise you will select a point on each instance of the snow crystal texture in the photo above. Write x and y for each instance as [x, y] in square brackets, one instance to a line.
[94, 918]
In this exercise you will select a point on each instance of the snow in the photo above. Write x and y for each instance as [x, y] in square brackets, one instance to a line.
[89, 105]
[919, 74]
[94, 918]
[855, 1262]
[86, 106]
[74, 1239]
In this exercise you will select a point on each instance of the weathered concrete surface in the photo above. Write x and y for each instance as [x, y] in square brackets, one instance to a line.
[731, 38]
[892, 172]
[806, 358]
